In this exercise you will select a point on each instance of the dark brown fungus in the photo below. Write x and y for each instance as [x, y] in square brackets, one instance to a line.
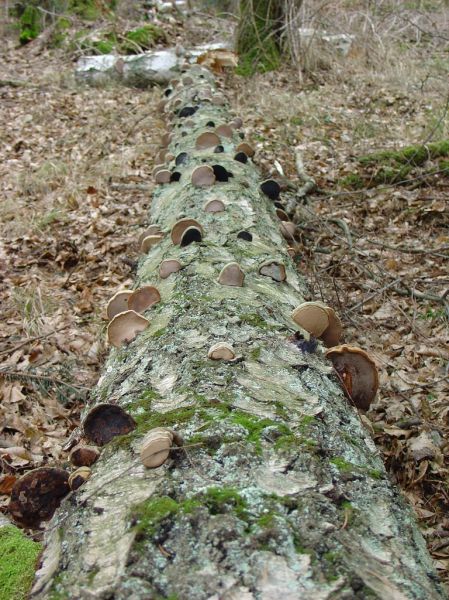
[218, 149]
[37, 494]
[176, 176]
[245, 235]
[241, 157]
[190, 235]
[271, 189]
[84, 456]
[181, 159]
[221, 174]
[106, 421]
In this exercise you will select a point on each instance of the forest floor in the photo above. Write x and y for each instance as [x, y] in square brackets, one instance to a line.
[75, 172]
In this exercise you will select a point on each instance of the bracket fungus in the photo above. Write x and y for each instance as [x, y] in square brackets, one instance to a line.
[282, 215]
[141, 299]
[149, 241]
[181, 227]
[270, 188]
[241, 157]
[151, 230]
[181, 159]
[169, 266]
[175, 176]
[288, 229]
[219, 149]
[37, 494]
[207, 140]
[203, 176]
[312, 317]
[245, 235]
[231, 274]
[190, 235]
[224, 130]
[105, 421]
[332, 334]
[162, 176]
[273, 269]
[357, 372]
[84, 456]
[125, 326]
[246, 148]
[78, 477]
[118, 303]
[156, 447]
[214, 206]
[221, 351]
[166, 139]
[221, 174]
[236, 123]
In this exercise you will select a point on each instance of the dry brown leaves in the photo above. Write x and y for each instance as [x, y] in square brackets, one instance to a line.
[70, 222]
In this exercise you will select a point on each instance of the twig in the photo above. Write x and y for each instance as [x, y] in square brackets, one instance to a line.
[373, 295]
[30, 340]
[309, 183]
[27, 375]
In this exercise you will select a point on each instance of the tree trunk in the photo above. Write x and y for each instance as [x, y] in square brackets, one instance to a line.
[279, 491]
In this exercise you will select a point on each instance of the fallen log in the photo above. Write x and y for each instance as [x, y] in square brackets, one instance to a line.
[232, 466]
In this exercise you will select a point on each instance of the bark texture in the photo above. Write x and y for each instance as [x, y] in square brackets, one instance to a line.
[279, 491]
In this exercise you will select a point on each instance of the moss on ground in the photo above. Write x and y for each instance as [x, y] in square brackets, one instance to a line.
[18, 557]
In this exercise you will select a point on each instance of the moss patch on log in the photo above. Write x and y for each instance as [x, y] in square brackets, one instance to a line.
[18, 556]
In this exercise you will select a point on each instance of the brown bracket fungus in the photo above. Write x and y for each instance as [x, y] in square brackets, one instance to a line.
[203, 176]
[236, 123]
[190, 235]
[246, 148]
[151, 230]
[224, 131]
[166, 139]
[169, 266]
[214, 206]
[270, 188]
[221, 351]
[332, 334]
[118, 303]
[288, 229]
[37, 494]
[282, 215]
[162, 176]
[149, 241]
[312, 317]
[232, 275]
[207, 140]
[180, 228]
[273, 269]
[106, 421]
[141, 299]
[125, 326]
[84, 456]
[156, 447]
[78, 477]
[357, 372]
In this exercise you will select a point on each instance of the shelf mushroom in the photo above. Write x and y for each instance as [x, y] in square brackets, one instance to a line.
[162, 176]
[203, 176]
[169, 266]
[125, 326]
[221, 351]
[357, 372]
[319, 320]
[118, 303]
[78, 477]
[141, 299]
[270, 188]
[151, 230]
[105, 421]
[214, 206]
[224, 130]
[37, 494]
[246, 148]
[149, 241]
[84, 456]
[156, 447]
[231, 274]
[207, 140]
[288, 229]
[180, 228]
[273, 269]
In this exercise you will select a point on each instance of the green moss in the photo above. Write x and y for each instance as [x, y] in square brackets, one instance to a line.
[149, 514]
[142, 38]
[255, 353]
[30, 24]
[343, 465]
[254, 320]
[410, 155]
[159, 333]
[18, 556]
[353, 181]
[375, 474]
[221, 500]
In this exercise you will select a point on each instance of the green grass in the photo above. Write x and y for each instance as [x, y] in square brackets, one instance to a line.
[18, 557]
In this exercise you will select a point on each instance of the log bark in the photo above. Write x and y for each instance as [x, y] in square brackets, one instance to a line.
[279, 491]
